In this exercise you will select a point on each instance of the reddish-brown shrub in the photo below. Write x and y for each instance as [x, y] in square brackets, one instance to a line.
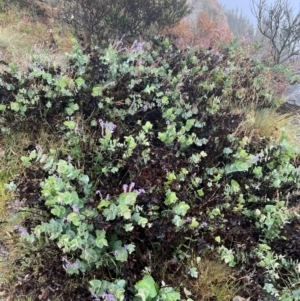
[207, 30]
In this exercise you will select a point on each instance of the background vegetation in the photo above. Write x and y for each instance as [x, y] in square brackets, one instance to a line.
[100, 21]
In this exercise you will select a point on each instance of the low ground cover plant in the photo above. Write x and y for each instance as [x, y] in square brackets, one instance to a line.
[150, 177]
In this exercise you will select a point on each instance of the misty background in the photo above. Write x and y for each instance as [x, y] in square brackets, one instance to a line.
[245, 6]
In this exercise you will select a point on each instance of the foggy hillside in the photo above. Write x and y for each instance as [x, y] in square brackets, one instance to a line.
[212, 7]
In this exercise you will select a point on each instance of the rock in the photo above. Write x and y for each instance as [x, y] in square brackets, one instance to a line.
[292, 95]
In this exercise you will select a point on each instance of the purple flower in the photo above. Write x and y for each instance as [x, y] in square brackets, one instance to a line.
[74, 265]
[70, 159]
[107, 197]
[110, 126]
[256, 158]
[108, 297]
[99, 193]
[101, 122]
[119, 42]
[139, 46]
[203, 225]
[68, 265]
[21, 230]
[139, 191]
[125, 187]
[71, 265]
[116, 252]
[75, 208]
[136, 46]
[132, 184]
[188, 220]
[106, 125]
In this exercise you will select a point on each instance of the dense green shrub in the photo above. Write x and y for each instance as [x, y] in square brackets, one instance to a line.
[153, 164]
